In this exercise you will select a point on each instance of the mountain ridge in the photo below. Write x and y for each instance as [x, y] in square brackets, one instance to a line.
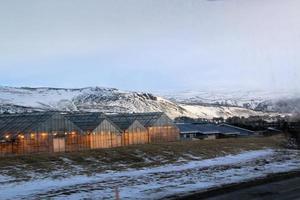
[109, 100]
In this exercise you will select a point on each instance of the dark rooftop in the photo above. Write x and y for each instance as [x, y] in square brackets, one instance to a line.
[86, 121]
[124, 120]
[226, 128]
[209, 128]
[19, 123]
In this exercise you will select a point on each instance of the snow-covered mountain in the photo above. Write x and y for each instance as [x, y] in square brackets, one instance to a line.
[288, 105]
[24, 99]
[14, 99]
[259, 100]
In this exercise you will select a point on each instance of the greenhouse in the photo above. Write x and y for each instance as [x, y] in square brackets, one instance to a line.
[37, 132]
[159, 126]
[133, 131]
[48, 132]
[102, 133]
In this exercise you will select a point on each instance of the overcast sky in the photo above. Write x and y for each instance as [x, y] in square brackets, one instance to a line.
[151, 45]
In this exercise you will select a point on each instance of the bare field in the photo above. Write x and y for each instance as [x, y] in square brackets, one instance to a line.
[148, 172]
[138, 156]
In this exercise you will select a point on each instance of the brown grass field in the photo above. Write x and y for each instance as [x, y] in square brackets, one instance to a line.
[137, 156]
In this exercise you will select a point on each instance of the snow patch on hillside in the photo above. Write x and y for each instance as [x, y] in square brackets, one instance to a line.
[210, 112]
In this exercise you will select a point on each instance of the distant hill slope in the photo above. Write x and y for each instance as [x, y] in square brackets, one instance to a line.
[24, 99]
[259, 100]
[289, 105]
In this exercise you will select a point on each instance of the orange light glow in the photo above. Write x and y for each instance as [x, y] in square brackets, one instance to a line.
[7, 136]
[21, 136]
[44, 134]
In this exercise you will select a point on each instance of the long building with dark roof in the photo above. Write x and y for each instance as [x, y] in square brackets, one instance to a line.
[211, 131]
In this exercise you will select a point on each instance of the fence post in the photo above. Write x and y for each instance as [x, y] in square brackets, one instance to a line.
[117, 193]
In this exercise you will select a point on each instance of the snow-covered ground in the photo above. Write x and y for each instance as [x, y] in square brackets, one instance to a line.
[157, 182]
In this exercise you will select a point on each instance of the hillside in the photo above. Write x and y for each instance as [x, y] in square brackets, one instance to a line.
[110, 100]
[282, 101]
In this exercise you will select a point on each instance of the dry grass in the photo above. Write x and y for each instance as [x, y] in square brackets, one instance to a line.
[93, 161]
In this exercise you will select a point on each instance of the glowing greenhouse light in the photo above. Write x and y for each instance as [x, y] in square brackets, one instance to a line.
[21, 136]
